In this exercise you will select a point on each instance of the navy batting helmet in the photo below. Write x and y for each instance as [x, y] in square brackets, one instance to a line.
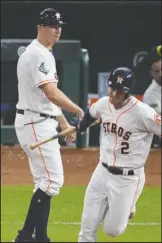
[123, 79]
[50, 17]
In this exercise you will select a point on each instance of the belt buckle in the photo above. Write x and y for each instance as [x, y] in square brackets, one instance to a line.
[125, 172]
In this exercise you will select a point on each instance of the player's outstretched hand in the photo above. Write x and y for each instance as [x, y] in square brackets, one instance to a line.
[80, 113]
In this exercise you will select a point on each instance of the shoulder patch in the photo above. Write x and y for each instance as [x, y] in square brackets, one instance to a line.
[157, 118]
[43, 68]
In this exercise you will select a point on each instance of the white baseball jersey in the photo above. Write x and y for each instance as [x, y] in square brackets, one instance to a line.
[152, 96]
[36, 66]
[127, 132]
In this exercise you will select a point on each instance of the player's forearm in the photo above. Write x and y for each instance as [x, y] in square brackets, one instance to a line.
[61, 100]
[62, 121]
[57, 97]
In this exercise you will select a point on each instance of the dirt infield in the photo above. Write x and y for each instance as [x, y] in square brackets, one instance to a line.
[78, 166]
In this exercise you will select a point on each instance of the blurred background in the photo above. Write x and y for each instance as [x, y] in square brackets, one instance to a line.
[109, 34]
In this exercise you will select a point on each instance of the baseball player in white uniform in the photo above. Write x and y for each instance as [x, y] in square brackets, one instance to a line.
[39, 112]
[118, 180]
[152, 95]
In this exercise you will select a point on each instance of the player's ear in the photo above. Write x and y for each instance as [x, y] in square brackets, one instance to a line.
[38, 27]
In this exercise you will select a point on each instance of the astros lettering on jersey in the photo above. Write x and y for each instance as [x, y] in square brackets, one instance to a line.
[126, 131]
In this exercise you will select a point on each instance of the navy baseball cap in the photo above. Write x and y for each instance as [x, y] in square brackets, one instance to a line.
[50, 17]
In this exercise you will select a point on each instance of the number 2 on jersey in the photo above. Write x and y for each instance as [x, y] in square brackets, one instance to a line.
[124, 148]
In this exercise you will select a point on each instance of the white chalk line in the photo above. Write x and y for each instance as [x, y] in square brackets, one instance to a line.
[78, 223]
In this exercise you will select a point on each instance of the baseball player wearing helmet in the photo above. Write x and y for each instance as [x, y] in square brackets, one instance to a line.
[39, 112]
[118, 180]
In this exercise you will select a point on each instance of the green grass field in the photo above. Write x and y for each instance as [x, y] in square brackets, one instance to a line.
[66, 213]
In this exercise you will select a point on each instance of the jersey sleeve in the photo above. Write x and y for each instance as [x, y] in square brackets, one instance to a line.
[149, 99]
[97, 107]
[152, 101]
[41, 70]
[151, 121]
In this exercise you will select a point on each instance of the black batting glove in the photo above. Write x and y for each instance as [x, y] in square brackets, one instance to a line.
[75, 121]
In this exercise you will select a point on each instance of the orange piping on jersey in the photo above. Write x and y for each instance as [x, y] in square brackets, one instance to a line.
[42, 158]
[116, 133]
[135, 195]
[48, 186]
[46, 81]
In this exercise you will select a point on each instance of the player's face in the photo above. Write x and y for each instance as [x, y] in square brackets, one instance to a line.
[52, 34]
[156, 71]
[116, 97]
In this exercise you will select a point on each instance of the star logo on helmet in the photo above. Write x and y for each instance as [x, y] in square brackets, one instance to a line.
[57, 16]
[120, 80]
